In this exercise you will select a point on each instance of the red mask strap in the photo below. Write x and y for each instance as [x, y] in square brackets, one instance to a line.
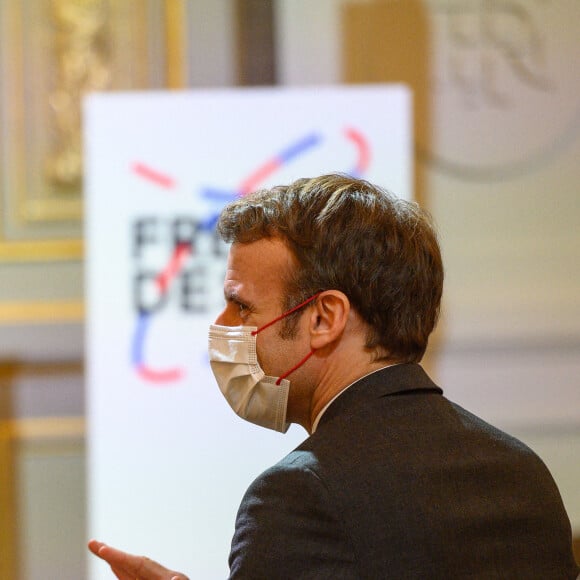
[254, 332]
[280, 379]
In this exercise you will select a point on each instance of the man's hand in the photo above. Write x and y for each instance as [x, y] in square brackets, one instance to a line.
[128, 567]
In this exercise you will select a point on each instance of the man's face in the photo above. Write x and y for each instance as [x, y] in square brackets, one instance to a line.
[254, 294]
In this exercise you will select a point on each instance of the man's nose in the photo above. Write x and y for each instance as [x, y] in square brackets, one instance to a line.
[220, 318]
[223, 319]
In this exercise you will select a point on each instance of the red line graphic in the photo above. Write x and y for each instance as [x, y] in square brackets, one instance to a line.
[153, 175]
[154, 376]
[364, 153]
[163, 280]
[175, 264]
[258, 176]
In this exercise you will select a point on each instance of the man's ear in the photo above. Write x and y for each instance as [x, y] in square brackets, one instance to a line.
[328, 318]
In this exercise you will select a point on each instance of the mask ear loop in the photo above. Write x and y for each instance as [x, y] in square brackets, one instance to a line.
[287, 373]
[291, 311]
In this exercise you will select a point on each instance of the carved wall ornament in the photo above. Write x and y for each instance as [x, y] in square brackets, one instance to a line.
[489, 40]
[52, 54]
[505, 85]
[82, 66]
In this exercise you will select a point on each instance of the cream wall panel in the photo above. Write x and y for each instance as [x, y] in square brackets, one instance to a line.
[308, 37]
[211, 43]
[510, 250]
[29, 282]
[51, 500]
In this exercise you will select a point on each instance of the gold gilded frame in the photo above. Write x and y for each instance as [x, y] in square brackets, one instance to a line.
[60, 433]
[52, 52]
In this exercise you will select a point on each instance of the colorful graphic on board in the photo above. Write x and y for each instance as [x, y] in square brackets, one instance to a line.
[162, 282]
[183, 249]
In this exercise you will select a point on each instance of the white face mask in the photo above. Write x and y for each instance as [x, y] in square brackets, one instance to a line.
[252, 394]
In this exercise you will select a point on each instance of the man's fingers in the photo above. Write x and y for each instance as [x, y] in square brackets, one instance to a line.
[94, 546]
[129, 567]
[122, 560]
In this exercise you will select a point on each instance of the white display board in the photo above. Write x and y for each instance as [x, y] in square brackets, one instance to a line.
[168, 461]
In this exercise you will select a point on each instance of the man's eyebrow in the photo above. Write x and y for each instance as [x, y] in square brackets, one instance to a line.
[233, 296]
[230, 295]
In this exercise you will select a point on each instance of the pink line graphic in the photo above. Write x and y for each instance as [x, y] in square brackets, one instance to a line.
[180, 255]
[364, 151]
[163, 282]
[153, 175]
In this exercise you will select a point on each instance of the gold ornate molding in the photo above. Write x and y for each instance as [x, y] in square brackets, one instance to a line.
[176, 43]
[82, 65]
[53, 435]
[45, 250]
[44, 429]
[52, 53]
[41, 312]
[8, 543]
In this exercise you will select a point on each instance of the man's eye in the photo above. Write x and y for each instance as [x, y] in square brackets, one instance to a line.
[242, 308]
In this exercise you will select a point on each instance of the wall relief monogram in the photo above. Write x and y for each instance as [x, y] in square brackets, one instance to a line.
[489, 39]
[504, 85]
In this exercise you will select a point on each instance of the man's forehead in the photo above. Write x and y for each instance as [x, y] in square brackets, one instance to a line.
[261, 255]
[256, 271]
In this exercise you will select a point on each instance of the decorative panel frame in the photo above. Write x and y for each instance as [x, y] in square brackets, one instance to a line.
[52, 53]
[52, 436]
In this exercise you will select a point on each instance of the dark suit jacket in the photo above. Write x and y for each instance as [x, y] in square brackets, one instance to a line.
[398, 482]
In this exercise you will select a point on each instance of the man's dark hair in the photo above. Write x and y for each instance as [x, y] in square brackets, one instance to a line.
[350, 235]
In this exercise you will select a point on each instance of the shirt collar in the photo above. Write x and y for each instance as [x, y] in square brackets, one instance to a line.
[319, 416]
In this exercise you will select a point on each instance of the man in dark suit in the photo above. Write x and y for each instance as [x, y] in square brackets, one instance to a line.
[332, 289]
